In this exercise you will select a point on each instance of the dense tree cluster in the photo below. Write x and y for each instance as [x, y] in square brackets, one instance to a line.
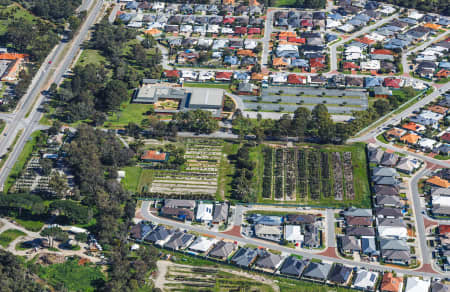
[438, 6]
[198, 121]
[14, 276]
[315, 125]
[54, 10]
[242, 186]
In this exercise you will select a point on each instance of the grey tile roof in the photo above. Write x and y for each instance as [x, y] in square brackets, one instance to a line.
[179, 240]
[318, 271]
[220, 212]
[268, 260]
[357, 212]
[340, 274]
[293, 266]
[393, 244]
[222, 249]
[244, 257]
[350, 243]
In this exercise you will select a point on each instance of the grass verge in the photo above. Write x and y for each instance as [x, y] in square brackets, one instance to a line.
[8, 236]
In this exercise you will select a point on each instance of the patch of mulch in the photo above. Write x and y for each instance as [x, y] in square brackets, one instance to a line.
[330, 252]
[426, 268]
[235, 231]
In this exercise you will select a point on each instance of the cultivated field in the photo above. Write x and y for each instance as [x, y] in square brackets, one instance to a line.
[315, 175]
[198, 176]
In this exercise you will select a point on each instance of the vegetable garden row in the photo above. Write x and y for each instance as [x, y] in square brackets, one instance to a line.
[307, 174]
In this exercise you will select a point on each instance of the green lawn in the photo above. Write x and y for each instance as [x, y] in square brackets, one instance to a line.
[72, 276]
[89, 56]
[441, 157]
[6, 237]
[19, 12]
[129, 112]
[284, 3]
[21, 161]
[32, 225]
[226, 171]
[382, 139]
[208, 85]
[145, 180]
[132, 177]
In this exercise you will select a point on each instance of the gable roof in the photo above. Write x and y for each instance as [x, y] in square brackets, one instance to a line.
[222, 249]
[268, 260]
[244, 257]
[365, 279]
[437, 181]
[178, 240]
[360, 231]
[294, 266]
[318, 271]
[350, 243]
[391, 283]
[358, 212]
[362, 221]
[340, 274]
[388, 212]
[368, 245]
[220, 212]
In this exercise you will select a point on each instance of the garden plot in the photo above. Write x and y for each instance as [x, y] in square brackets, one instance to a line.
[308, 175]
[198, 175]
[190, 278]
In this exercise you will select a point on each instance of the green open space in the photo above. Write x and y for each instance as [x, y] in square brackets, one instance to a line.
[129, 113]
[32, 225]
[6, 237]
[11, 12]
[71, 276]
[21, 161]
[132, 177]
[90, 56]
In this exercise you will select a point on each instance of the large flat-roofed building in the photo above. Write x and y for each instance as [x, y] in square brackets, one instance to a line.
[169, 99]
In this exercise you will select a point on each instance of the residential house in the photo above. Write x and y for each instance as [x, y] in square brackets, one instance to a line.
[358, 221]
[268, 261]
[375, 155]
[246, 88]
[244, 257]
[293, 266]
[140, 231]
[436, 181]
[368, 246]
[394, 133]
[202, 244]
[359, 231]
[177, 213]
[220, 213]
[365, 280]
[395, 251]
[390, 283]
[350, 244]
[175, 203]
[204, 212]
[154, 156]
[159, 236]
[268, 232]
[392, 228]
[416, 284]
[179, 240]
[311, 236]
[389, 159]
[340, 274]
[222, 250]
[372, 65]
[382, 92]
[300, 219]
[358, 212]
[411, 126]
[317, 271]
[410, 139]
[386, 190]
[224, 76]
[440, 287]
[292, 234]
[426, 144]
[383, 212]
[388, 201]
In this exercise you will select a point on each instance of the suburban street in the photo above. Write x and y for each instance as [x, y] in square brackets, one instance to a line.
[196, 228]
[27, 114]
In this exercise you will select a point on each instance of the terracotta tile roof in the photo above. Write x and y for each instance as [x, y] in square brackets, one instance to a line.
[240, 30]
[432, 26]
[257, 76]
[254, 30]
[391, 283]
[395, 132]
[295, 79]
[316, 63]
[443, 73]
[154, 155]
[245, 53]
[411, 126]
[172, 73]
[382, 52]
[437, 181]
[350, 65]
[392, 82]
[410, 138]
[365, 40]
[296, 40]
[279, 62]
[443, 229]
[438, 109]
[287, 34]
[228, 20]
[12, 56]
[153, 31]
[224, 75]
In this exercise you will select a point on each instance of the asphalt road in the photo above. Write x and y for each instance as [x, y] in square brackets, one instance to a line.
[52, 73]
[417, 208]
[372, 266]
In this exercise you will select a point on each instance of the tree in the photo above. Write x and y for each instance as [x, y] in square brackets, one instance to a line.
[381, 106]
[81, 237]
[58, 184]
[300, 122]
[51, 233]
[322, 123]
[46, 166]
